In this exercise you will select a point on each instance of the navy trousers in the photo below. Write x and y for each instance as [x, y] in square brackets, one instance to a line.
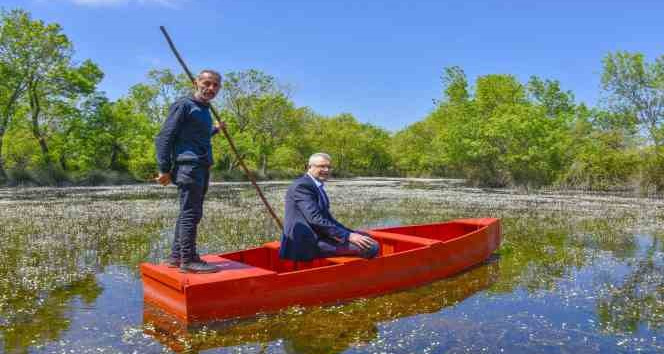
[347, 249]
[192, 181]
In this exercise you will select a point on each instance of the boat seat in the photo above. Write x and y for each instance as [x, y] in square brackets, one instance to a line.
[343, 260]
[274, 245]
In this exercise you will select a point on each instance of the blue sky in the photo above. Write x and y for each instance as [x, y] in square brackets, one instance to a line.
[379, 60]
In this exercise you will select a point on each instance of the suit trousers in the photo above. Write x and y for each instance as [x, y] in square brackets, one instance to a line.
[346, 249]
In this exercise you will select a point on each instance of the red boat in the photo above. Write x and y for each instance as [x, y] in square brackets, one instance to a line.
[256, 280]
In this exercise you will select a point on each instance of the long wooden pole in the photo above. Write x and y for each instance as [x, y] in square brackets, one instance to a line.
[223, 129]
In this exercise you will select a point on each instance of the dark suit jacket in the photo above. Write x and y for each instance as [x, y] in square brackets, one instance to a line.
[307, 221]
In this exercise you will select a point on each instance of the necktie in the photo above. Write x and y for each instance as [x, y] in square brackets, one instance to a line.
[326, 201]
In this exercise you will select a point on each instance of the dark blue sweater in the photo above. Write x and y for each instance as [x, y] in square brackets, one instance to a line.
[185, 135]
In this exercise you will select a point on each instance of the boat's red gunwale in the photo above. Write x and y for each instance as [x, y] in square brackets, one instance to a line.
[462, 227]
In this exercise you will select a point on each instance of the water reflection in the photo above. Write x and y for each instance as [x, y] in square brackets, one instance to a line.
[330, 329]
[36, 319]
[637, 300]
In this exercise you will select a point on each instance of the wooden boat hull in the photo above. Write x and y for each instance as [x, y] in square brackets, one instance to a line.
[338, 331]
[257, 280]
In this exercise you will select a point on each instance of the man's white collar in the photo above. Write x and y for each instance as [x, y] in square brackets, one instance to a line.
[318, 183]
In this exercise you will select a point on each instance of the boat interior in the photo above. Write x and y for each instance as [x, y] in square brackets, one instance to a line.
[392, 241]
[267, 257]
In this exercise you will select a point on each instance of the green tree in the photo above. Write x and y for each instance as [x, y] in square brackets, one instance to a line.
[240, 91]
[153, 98]
[506, 134]
[411, 149]
[455, 86]
[130, 123]
[41, 59]
[635, 87]
[493, 91]
[476, 136]
[13, 72]
[529, 144]
[424, 148]
[254, 105]
[96, 136]
[548, 94]
[11, 90]
[604, 149]
[292, 154]
[272, 121]
[355, 148]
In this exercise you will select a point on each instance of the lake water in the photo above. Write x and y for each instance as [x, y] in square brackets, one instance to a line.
[576, 273]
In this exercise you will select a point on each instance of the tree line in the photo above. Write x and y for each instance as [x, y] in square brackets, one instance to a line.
[56, 127]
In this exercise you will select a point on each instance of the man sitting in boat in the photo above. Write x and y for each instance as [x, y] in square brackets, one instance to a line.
[310, 230]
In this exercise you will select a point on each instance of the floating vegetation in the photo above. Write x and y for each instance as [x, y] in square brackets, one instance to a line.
[575, 272]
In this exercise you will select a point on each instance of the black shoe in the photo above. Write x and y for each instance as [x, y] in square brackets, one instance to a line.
[173, 262]
[199, 266]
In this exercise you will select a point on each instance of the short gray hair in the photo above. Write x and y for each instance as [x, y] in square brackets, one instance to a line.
[316, 156]
[211, 72]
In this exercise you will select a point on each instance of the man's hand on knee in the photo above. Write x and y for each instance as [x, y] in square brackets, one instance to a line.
[361, 241]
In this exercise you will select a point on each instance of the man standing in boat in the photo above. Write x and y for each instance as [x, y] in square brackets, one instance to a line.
[184, 157]
[310, 230]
